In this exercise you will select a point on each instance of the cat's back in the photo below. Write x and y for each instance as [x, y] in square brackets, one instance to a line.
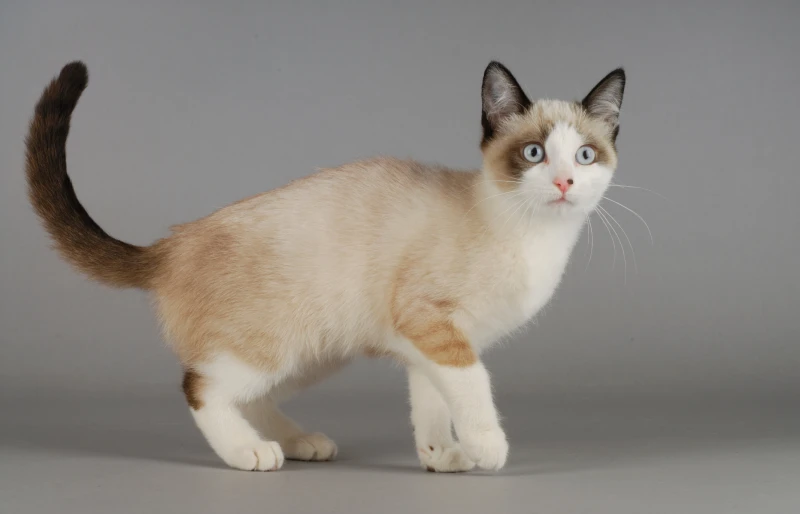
[368, 183]
[350, 194]
[347, 215]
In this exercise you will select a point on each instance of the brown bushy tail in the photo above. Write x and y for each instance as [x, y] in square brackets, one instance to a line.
[78, 238]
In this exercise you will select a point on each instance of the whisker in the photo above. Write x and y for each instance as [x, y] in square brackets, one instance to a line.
[521, 203]
[625, 186]
[488, 225]
[526, 204]
[613, 243]
[490, 197]
[633, 252]
[622, 247]
[505, 181]
[481, 181]
[536, 205]
[531, 203]
[635, 214]
[590, 234]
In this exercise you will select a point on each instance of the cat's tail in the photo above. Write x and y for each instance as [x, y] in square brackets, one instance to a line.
[79, 240]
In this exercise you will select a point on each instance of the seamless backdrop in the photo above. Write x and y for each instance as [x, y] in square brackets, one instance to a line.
[193, 105]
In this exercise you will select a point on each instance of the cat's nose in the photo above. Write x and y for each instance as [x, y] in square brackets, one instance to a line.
[563, 184]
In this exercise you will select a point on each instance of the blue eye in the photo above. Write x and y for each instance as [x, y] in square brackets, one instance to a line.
[533, 153]
[585, 155]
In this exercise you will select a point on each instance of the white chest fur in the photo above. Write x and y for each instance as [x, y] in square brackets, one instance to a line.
[544, 258]
[534, 268]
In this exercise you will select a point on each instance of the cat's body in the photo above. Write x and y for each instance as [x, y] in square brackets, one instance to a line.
[379, 257]
[345, 252]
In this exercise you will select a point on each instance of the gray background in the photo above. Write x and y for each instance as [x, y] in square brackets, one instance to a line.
[193, 105]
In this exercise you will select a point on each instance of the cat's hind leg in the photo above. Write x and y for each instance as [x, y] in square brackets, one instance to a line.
[296, 443]
[215, 392]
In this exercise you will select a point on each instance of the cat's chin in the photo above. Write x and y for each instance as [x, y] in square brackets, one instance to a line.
[564, 208]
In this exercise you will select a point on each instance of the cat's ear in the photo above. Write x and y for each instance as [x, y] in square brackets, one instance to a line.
[605, 99]
[502, 96]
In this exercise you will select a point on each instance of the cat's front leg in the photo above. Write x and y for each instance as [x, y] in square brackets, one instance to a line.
[433, 429]
[443, 353]
[467, 392]
[447, 359]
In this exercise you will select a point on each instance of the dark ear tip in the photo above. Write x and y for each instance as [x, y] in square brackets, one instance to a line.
[496, 66]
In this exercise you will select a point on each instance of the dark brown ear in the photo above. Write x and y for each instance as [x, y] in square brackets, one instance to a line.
[605, 99]
[502, 96]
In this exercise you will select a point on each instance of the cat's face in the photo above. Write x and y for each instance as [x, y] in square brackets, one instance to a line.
[553, 157]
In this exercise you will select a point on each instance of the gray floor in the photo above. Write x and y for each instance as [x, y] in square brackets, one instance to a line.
[78, 453]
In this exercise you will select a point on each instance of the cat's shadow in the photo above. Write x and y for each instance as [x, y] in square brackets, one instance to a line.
[176, 443]
[158, 443]
[117, 432]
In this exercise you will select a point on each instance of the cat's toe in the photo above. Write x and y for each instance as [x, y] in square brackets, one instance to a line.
[261, 456]
[309, 447]
[444, 459]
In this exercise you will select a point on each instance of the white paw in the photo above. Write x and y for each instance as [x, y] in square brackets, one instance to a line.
[314, 446]
[489, 449]
[262, 456]
[444, 459]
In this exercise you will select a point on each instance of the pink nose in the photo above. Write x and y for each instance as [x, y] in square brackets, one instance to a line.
[563, 184]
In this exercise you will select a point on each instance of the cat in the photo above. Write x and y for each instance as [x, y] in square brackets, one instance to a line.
[385, 257]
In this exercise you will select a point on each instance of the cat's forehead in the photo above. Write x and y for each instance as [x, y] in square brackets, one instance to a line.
[555, 111]
[538, 123]
[543, 116]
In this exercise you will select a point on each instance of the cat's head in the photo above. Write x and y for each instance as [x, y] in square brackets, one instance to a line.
[559, 156]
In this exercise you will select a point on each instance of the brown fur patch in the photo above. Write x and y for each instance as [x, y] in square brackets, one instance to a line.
[425, 322]
[442, 343]
[443, 304]
[192, 385]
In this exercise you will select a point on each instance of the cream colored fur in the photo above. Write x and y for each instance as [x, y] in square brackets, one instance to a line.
[321, 271]
[382, 257]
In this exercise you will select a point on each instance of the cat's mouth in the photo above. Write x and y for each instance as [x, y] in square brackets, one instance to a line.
[560, 201]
